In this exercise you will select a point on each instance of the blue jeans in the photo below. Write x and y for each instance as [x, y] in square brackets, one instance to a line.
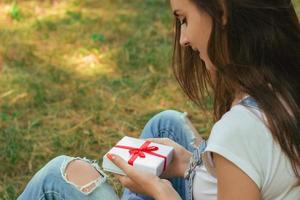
[176, 126]
[50, 182]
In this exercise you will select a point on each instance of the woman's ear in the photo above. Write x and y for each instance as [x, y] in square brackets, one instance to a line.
[224, 12]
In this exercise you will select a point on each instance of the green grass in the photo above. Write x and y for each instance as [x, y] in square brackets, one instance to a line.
[78, 75]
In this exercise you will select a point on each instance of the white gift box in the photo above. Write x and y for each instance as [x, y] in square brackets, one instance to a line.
[143, 155]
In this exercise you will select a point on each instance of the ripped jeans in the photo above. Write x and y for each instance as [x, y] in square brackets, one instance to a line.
[52, 181]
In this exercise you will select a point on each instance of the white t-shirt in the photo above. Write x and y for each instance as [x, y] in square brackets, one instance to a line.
[241, 137]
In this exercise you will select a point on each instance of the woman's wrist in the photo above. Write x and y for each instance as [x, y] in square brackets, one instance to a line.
[185, 164]
[165, 191]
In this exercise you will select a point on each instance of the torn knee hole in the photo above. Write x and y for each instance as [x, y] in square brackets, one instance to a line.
[82, 174]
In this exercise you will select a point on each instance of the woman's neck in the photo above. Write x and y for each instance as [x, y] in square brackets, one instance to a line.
[238, 97]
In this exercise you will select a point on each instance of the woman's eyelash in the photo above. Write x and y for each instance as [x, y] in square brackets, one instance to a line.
[182, 21]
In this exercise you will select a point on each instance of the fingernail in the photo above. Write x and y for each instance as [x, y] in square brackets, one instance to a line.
[110, 156]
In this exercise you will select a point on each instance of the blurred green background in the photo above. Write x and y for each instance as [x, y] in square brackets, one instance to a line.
[78, 75]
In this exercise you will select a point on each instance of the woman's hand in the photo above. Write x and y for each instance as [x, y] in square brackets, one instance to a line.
[143, 182]
[180, 161]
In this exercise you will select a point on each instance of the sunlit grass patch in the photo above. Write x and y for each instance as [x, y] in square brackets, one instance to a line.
[77, 76]
[91, 63]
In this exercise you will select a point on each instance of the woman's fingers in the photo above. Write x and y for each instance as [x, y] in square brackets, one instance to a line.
[165, 141]
[132, 185]
[122, 164]
[138, 181]
[124, 180]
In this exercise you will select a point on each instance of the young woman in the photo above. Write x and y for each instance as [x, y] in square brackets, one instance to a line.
[248, 53]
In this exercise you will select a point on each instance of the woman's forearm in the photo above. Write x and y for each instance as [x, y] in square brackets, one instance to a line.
[165, 191]
[173, 196]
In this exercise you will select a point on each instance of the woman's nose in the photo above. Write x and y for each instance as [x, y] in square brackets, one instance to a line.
[183, 39]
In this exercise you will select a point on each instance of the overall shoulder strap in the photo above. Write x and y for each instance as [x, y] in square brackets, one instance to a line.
[249, 102]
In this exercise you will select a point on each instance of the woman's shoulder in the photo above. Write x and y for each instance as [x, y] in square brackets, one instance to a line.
[242, 137]
[241, 131]
[242, 122]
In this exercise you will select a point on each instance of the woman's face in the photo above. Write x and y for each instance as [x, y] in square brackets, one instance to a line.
[196, 26]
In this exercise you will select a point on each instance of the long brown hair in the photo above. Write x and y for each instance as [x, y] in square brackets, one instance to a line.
[257, 52]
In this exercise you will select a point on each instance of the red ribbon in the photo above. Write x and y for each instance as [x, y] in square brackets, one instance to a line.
[140, 152]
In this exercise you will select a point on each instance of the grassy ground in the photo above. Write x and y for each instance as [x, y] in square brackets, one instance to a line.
[78, 75]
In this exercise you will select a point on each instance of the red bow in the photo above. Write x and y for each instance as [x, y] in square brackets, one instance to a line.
[140, 152]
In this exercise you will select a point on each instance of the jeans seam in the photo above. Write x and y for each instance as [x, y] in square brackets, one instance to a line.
[192, 137]
[45, 193]
[170, 132]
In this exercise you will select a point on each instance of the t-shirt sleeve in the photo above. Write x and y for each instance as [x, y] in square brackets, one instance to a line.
[236, 137]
